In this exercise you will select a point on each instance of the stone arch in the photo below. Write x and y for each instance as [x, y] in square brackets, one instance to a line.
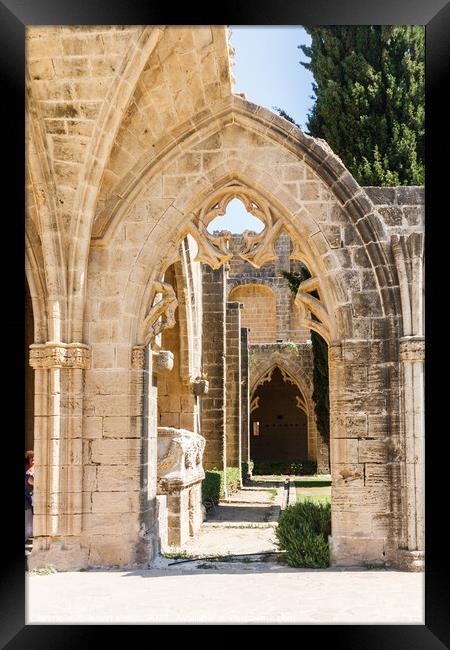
[259, 310]
[261, 123]
[293, 368]
[45, 259]
[303, 403]
[346, 322]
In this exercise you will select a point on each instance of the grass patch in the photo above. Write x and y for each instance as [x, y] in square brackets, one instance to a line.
[44, 571]
[302, 532]
[315, 498]
[179, 555]
[313, 482]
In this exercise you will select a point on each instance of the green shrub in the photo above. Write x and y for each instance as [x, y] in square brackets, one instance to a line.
[213, 486]
[233, 480]
[302, 532]
[278, 467]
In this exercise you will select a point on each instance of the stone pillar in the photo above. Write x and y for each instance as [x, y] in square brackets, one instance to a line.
[57, 522]
[408, 253]
[214, 365]
[245, 400]
[233, 384]
[360, 420]
[412, 543]
[283, 293]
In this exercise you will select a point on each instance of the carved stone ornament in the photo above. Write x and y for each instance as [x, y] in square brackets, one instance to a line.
[161, 313]
[138, 357]
[59, 355]
[180, 454]
[412, 349]
[162, 360]
[257, 249]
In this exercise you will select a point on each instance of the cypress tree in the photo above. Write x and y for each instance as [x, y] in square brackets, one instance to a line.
[369, 87]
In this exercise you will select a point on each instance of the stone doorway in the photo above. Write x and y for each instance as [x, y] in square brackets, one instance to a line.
[278, 422]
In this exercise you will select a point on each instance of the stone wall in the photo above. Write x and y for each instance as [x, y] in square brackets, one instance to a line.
[233, 384]
[213, 421]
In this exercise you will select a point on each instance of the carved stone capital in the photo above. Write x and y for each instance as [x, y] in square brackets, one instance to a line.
[412, 348]
[138, 357]
[162, 360]
[59, 355]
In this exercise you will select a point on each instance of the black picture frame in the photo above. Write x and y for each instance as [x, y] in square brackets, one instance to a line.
[15, 16]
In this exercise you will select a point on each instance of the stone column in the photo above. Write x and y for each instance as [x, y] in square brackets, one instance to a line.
[412, 355]
[214, 366]
[408, 255]
[152, 508]
[57, 523]
[245, 399]
[360, 412]
[233, 384]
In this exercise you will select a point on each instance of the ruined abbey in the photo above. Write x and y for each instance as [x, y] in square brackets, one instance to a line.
[158, 348]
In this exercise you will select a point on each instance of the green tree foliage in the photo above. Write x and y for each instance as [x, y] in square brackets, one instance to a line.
[321, 394]
[369, 87]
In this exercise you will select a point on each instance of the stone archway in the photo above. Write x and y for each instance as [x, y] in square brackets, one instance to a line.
[280, 408]
[295, 184]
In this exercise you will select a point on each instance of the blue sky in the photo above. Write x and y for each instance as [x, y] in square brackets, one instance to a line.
[268, 71]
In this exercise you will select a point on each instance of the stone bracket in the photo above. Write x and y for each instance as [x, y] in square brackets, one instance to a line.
[59, 355]
[162, 359]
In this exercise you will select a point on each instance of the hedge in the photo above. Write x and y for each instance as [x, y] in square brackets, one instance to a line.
[213, 486]
[278, 467]
[302, 532]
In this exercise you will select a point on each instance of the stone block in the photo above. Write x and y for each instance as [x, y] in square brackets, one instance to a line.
[92, 427]
[120, 427]
[372, 451]
[347, 474]
[113, 478]
[360, 499]
[108, 502]
[344, 451]
[115, 452]
[351, 550]
[111, 523]
[354, 524]
[111, 550]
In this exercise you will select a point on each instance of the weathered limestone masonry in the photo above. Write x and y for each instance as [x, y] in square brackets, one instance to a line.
[233, 384]
[213, 416]
[269, 310]
[245, 400]
[276, 335]
[135, 143]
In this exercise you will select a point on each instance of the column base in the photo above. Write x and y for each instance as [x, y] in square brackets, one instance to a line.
[407, 560]
[356, 551]
[58, 555]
